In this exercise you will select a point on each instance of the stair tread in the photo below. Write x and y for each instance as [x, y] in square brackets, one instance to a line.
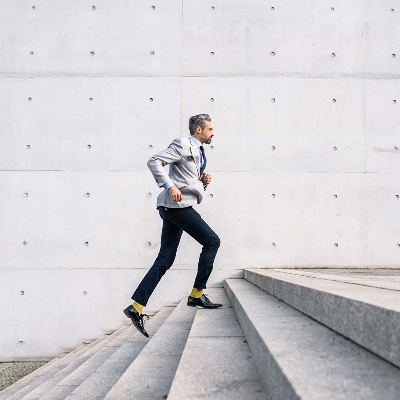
[67, 365]
[151, 374]
[301, 358]
[98, 384]
[217, 361]
[349, 308]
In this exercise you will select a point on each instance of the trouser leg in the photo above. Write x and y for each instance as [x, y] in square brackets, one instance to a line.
[191, 222]
[170, 238]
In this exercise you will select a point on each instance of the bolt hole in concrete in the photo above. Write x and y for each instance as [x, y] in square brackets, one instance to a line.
[211, 147]
[90, 98]
[87, 194]
[29, 98]
[212, 100]
[273, 244]
[153, 7]
[272, 100]
[150, 146]
[24, 243]
[33, 7]
[89, 146]
[28, 146]
[334, 148]
[336, 245]
[273, 195]
[393, 55]
[151, 99]
[149, 244]
[273, 148]
[21, 292]
[26, 194]
[397, 196]
[93, 8]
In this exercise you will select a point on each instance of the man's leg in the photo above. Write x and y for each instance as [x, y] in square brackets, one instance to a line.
[191, 222]
[170, 238]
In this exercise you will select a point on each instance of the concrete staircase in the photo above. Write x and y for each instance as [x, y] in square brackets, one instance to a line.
[282, 334]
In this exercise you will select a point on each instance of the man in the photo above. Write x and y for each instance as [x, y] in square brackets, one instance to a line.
[183, 188]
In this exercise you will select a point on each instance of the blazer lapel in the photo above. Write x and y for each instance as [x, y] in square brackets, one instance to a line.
[195, 158]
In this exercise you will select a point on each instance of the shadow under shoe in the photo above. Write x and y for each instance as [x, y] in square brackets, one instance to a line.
[137, 319]
[202, 301]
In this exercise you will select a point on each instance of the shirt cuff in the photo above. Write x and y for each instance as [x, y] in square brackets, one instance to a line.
[168, 184]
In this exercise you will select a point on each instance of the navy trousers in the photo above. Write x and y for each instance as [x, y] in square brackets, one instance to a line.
[175, 221]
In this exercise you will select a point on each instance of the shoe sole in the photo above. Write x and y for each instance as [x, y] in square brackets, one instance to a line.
[197, 305]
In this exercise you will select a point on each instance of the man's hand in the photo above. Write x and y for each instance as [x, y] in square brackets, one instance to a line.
[206, 178]
[175, 194]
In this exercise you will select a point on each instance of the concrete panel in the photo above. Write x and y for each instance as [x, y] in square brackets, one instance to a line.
[382, 125]
[383, 215]
[296, 132]
[54, 312]
[238, 38]
[121, 35]
[381, 38]
[121, 124]
[118, 221]
[304, 219]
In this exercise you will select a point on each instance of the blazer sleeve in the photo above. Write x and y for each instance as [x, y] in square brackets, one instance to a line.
[172, 154]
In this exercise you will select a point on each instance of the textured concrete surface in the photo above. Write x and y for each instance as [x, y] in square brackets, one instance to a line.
[217, 362]
[368, 314]
[300, 358]
[102, 380]
[151, 374]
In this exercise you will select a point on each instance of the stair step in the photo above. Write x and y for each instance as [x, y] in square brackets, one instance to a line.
[151, 373]
[26, 380]
[298, 357]
[365, 309]
[36, 378]
[217, 362]
[102, 380]
[66, 365]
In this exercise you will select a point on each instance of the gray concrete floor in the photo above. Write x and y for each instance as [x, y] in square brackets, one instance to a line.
[11, 372]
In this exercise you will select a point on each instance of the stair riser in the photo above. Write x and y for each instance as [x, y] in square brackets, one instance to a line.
[370, 326]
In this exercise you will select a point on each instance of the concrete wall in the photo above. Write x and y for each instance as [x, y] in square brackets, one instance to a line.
[304, 97]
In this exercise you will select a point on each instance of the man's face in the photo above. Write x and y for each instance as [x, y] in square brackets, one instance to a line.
[205, 135]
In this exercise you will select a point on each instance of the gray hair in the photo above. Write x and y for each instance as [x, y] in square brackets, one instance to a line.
[198, 120]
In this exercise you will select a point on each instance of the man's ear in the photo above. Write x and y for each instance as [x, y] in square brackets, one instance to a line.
[198, 129]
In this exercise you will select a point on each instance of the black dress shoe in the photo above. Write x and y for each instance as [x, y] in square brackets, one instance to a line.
[202, 301]
[137, 319]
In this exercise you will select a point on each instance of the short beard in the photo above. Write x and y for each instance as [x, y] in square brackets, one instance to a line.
[208, 141]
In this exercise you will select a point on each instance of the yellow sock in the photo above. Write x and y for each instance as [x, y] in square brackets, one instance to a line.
[196, 293]
[138, 307]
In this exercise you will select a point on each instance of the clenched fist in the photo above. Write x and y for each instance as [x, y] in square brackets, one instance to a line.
[175, 194]
[206, 178]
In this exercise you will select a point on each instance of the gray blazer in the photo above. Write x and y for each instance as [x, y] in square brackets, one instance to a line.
[183, 159]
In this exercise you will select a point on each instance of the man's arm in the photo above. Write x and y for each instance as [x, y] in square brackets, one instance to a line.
[172, 154]
[156, 164]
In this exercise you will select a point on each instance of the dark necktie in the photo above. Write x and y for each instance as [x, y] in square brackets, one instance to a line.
[204, 160]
